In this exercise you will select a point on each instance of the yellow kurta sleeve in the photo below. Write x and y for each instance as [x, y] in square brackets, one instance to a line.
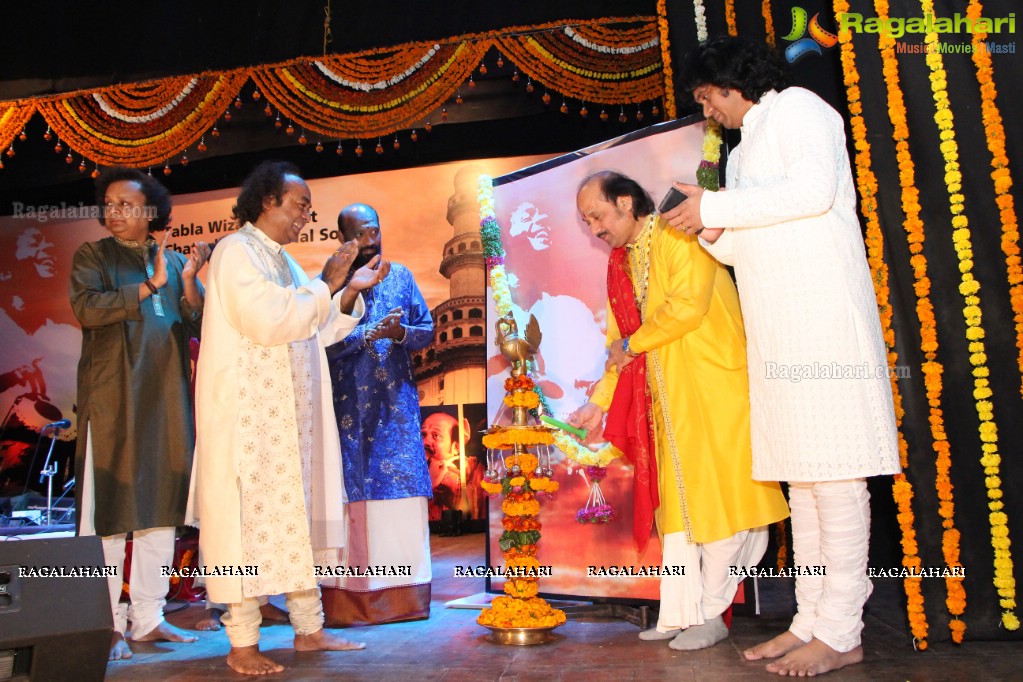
[689, 287]
[605, 388]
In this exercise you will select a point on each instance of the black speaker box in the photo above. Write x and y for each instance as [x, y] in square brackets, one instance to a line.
[53, 628]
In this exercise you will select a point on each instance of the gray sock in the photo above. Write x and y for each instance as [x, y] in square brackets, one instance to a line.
[696, 637]
[653, 634]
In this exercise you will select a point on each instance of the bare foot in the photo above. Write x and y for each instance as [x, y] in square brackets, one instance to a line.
[165, 632]
[321, 641]
[815, 658]
[211, 622]
[118, 648]
[248, 661]
[773, 648]
[273, 613]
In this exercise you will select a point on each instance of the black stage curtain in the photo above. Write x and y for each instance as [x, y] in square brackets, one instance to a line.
[53, 47]
[823, 74]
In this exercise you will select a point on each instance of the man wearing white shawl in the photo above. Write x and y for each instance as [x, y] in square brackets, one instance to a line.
[267, 483]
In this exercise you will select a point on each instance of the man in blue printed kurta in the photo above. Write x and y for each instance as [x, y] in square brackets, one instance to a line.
[386, 475]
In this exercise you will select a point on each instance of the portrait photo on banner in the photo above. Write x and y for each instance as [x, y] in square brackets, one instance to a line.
[557, 271]
[453, 444]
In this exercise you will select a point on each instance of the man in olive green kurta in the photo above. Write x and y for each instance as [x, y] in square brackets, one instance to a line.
[138, 305]
[134, 394]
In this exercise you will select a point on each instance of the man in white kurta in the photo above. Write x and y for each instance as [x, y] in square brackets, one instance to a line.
[267, 485]
[822, 416]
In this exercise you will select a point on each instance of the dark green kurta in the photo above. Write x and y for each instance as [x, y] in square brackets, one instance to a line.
[134, 389]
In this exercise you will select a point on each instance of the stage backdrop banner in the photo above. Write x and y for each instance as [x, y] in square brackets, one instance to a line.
[558, 272]
[42, 340]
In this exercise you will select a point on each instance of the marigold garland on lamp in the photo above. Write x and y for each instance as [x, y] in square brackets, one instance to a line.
[520, 617]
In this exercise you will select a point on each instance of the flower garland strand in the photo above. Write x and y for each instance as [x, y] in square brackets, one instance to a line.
[955, 599]
[765, 10]
[598, 43]
[670, 111]
[994, 130]
[866, 184]
[707, 175]
[733, 28]
[969, 288]
[700, 16]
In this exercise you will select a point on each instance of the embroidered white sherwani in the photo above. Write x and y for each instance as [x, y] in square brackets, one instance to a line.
[806, 294]
[266, 482]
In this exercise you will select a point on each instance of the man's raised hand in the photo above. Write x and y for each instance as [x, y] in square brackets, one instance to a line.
[335, 270]
[196, 259]
[370, 274]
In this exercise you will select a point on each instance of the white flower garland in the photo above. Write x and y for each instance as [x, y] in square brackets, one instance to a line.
[701, 20]
[146, 118]
[607, 49]
[379, 85]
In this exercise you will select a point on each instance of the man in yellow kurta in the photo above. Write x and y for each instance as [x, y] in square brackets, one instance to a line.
[676, 393]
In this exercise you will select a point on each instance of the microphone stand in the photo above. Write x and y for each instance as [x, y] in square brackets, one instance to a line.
[67, 488]
[48, 472]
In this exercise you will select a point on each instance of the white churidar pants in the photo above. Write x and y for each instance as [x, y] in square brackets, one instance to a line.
[242, 619]
[831, 528]
[200, 581]
[152, 549]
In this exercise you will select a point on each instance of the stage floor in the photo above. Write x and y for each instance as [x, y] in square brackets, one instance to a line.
[451, 647]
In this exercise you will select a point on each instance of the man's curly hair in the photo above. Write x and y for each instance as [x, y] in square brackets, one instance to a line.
[158, 199]
[267, 180]
[737, 64]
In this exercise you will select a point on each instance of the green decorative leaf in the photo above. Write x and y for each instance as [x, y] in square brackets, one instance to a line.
[516, 538]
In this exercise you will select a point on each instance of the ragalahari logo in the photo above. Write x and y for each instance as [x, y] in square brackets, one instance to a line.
[802, 46]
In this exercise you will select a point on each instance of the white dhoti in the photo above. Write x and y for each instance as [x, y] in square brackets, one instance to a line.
[389, 543]
[831, 528]
[708, 586]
